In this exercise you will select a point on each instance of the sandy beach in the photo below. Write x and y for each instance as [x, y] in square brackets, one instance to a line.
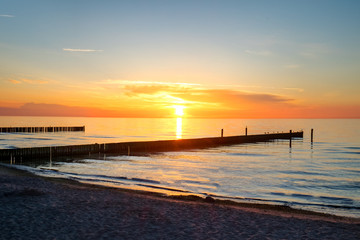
[33, 207]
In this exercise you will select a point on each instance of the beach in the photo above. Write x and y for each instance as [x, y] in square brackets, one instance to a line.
[34, 207]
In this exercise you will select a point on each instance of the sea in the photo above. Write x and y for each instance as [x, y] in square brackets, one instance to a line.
[322, 175]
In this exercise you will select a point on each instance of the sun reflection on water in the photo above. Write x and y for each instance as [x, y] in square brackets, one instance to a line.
[178, 128]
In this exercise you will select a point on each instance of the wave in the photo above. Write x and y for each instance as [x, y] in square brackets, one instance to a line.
[164, 188]
[305, 173]
[115, 180]
[342, 150]
[102, 177]
[41, 139]
[97, 180]
[355, 148]
[10, 147]
[199, 183]
[287, 202]
[326, 201]
[100, 136]
[127, 158]
[248, 154]
[144, 180]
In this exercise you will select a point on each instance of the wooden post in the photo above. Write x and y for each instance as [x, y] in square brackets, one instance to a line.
[246, 131]
[312, 135]
[222, 132]
[290, 138]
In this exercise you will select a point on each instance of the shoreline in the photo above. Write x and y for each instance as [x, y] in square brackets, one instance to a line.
[36, 207]
[49, 208]
[271, 209]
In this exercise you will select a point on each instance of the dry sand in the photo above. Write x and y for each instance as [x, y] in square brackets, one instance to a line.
[33, 207]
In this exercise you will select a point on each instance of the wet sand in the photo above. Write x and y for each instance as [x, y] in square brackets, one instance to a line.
[32, 207]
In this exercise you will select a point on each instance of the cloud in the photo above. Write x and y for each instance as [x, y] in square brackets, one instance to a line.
[203, 96]
[14, 81]
[29, 81]
[155, 99]
[203, 102]
[7, 15]
[35, 81]
[80, 50]
[161, 94]
[258, 53]
[234, 98]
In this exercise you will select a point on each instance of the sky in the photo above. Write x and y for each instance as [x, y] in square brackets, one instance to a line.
[200, 59]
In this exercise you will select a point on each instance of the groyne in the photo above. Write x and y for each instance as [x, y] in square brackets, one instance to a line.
[137, 148]
[41, 129]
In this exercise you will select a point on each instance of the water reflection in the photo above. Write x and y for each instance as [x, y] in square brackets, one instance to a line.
[178, 128]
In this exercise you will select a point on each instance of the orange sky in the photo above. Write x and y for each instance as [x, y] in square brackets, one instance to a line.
[116, 98]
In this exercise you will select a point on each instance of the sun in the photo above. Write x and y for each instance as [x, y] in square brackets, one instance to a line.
[179, 110]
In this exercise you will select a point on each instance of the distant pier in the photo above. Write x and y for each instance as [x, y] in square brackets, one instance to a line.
[137, 148]
[41, 129]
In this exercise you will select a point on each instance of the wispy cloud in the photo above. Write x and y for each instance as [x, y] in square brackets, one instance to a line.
[193, 94]
[13, 81]
[258, 53]
[200, 100]
[29, 81]
[7, 15]
[80, 50]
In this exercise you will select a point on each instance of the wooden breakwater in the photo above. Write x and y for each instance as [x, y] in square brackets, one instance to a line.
[136, 148]
[41, 129]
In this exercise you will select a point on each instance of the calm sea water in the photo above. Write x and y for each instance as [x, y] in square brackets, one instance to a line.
[322, 176]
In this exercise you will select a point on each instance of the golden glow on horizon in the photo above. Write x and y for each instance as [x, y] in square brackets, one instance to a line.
[179, 110]
[159, 99]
